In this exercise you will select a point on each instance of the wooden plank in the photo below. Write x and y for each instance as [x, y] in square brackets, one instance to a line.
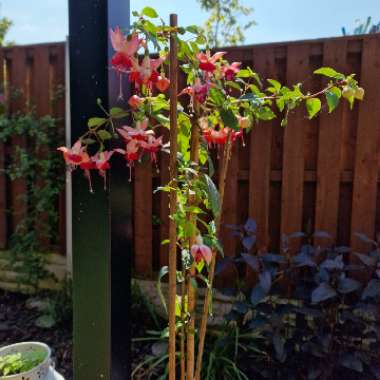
[18, 88]
[260, 156]
[41, 81]
[143, 218]
[367, 146]
[329, 152]
[294, 136]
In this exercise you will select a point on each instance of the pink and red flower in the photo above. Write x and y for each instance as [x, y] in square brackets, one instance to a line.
[229, 71]
[207, 63]
[201, 252]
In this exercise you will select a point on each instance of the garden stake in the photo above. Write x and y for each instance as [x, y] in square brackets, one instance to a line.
[191, 294]
[173, 198]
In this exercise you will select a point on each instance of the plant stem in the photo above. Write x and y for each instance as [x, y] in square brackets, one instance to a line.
[191, 294]
[173, 199]
[208, 292]
[183, 336]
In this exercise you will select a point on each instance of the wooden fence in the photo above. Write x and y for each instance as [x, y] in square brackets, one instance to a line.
[323, 172]
[32, 77]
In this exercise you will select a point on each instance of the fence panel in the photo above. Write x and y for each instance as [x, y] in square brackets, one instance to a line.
[34, 80]
[323, 173]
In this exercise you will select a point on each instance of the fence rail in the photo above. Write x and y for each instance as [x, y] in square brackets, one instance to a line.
[323, 173]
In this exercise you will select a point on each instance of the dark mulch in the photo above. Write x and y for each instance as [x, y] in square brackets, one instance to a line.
[17, 324]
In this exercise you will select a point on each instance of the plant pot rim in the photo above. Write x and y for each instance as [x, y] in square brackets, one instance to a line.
[20, 344]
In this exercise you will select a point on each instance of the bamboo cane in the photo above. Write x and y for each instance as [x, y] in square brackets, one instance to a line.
[173, 75]
[203, 325]
[191, 295]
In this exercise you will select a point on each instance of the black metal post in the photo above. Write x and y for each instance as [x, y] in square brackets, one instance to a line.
[101, 221]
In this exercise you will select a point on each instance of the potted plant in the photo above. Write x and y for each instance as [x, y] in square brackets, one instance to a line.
[26, 361]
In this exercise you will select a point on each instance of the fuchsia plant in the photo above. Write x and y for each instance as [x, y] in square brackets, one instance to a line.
[221, 102]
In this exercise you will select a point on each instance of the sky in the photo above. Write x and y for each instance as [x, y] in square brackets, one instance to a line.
[277, 20]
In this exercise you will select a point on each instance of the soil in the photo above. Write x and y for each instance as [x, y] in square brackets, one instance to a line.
[17, 324]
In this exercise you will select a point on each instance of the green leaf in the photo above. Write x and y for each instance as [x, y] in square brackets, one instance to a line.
[329, 72]
[88, 141]
[163, 272]
[280, 103]
[229, 119]
[216, 96]
[212, 195]
[96, 122]
[150, 27]
[194, 29]
[276, 85]
[333, 97]
[149, 12]
[104, 135]
[265, 113]
[118, 113]
[244, 73]
[313, 106]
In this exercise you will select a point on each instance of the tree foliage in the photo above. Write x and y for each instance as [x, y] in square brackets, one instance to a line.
[228, 21]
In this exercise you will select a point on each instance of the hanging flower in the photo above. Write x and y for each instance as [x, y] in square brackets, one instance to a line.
[200, 91]
[140, 133]
[75, 155]
[229, 71]
[125, 49]
[101, 162]
[152, 146]
[162, 83]
[244, 121]
[130, 153]
[146, 73]
[135, 102]
[207, 63]
[215, 136]
[201, 252]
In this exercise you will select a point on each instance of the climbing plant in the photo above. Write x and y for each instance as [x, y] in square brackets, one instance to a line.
[220, 104]
[36, 163]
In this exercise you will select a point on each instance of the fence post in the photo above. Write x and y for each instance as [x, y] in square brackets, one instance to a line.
[100, 221]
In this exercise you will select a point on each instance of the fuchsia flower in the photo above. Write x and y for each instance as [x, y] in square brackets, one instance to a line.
[201, 252]
[199, 91]
[145, 73]
[130, 154]
[140, 133]
[152, 145]
[125, 49]
[207, 63]
[215, 136]
[162, 83]
[101, 162]
[231, 70]
[75, 155]
[244, 121]
[135, 101]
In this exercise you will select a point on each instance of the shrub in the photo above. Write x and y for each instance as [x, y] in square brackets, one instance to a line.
[317, 311]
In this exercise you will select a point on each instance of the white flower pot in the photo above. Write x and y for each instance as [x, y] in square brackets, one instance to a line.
[38, 373]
